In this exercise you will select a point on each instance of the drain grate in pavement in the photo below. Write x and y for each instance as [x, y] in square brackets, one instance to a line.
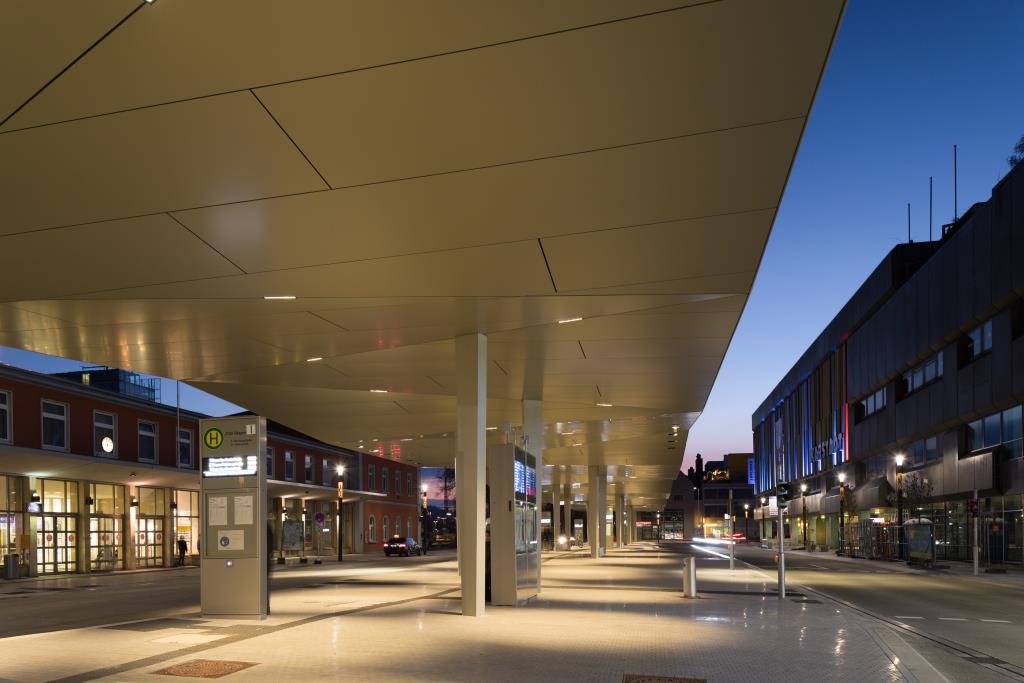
[156, 624]
[757, 593]
[639, 678]
[204, 668]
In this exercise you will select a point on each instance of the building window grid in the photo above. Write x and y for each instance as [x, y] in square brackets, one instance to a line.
[384, 484]
[326, 471]
[289, 466]
[872, 403]
[307, 466]
[148, 442]
[184, 448]
[371, 529]
[923, 374]
[55, 425]
[408, 485]
[371, 472]
[104, 425]
[398, 483]
[1001, 428]
[978, 341]
[269, 458]
[5, 417]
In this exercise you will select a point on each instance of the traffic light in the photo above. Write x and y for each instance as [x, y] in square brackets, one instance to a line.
[783, 492]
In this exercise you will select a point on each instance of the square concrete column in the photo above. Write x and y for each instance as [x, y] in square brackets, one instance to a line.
[556, 510]
[620, 527]
[567, 498]
[595, 510]
[602, 501]
[471, 465]
[533, 429]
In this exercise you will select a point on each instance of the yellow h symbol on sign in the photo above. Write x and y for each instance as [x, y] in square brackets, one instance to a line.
[213, 438]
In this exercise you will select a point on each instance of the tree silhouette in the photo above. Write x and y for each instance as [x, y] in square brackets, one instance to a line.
[1018, 153]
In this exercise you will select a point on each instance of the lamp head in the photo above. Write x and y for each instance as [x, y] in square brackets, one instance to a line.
[340, 469]
[842, 477]
[899, 459]
[803, 487]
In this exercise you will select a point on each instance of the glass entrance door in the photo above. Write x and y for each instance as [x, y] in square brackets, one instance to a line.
[149, 545]
[105, 544]
[55, 544]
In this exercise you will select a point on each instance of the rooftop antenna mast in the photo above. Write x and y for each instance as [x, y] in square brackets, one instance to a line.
[909, 241]
[929, 208]
[956, 212]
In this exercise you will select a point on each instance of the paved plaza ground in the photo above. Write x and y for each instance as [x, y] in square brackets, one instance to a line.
[397, 620]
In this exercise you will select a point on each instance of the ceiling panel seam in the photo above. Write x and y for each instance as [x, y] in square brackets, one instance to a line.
[72, 63]
[215, 249]
[438, 174]
[290, 139]
[332, 74]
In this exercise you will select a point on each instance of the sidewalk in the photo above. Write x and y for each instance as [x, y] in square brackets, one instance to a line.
[596, 620]
[1014, 576]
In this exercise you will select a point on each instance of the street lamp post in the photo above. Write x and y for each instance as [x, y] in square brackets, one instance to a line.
[842, 511]
[899, 505]
[341, 512]
[803, 509]
[765, 528]
[746, 522]
[423, 519]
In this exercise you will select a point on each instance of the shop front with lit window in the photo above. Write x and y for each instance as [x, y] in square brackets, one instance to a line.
[149, 534]
[54, 505]
[106, 527]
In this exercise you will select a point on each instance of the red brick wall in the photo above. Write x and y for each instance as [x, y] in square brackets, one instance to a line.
[27, 403]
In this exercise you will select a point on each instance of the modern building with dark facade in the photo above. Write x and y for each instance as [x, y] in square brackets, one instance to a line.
[923, 365]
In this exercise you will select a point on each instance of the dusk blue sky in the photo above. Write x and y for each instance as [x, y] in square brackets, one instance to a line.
[191, 398]
[905, 81]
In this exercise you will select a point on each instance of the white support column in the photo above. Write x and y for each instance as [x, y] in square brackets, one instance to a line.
[620, 508]
[533, 428]
[567, 498]
[595, 510]
[602, 501]
[556, 512]
[471, 459]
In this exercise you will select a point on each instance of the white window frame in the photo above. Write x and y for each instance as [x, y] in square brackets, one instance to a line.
[384, 535]
[398, 482]
[308, 470]
[384, 480]
[156, 441]
[289, 459]
[66, 418]
[99, 451]
[327, 471]
[8, 408]
[398, 526]
[371, 529]
[409, 491]
[191, 447]
[371, 472]
[268, 461]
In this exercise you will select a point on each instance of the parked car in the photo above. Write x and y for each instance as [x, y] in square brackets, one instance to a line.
[402, 546]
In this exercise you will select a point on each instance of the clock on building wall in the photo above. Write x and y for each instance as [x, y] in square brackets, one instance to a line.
[107, 444]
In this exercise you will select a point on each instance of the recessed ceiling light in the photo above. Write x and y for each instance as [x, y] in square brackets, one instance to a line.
[405, 439]
[605, 405]
[314, 359]
[378, 391]
[569, 320]
[491, 429]
[282, 297]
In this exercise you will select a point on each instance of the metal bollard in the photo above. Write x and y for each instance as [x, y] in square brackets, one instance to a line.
[689, 576]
